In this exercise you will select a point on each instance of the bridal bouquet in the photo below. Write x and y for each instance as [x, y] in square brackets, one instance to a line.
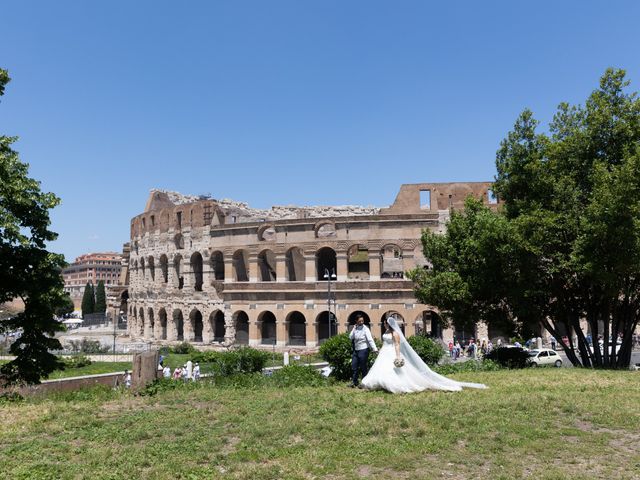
[399, 362]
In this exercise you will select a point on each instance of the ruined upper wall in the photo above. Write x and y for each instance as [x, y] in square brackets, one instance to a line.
[431, 197]
[165, 209]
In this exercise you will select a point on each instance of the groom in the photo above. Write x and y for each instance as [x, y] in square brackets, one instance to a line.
[361, 340]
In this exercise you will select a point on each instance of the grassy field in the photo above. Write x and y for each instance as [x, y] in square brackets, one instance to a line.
[542, 424]
[94, 368]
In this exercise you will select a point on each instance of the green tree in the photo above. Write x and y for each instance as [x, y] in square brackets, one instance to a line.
[566, 245]
[88, 305]
[27, 269]
[101, 298]
[66, 308]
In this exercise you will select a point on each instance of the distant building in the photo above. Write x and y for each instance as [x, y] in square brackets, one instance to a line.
[91, 268]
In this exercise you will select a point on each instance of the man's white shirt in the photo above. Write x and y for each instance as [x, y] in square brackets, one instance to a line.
[362, 338]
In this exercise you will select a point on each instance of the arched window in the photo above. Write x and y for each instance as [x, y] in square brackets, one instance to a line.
[325, 262]
[164, 268]
[267, 322]
[152, 270]
[240, 266]
[294, 259]
[391, 263]
[326, 324]
[358, 262]
[297, 329]
[178, 325]
[216, 323]
[178, 279]
[267, 266]
[241, 322]
[195, 317]
[162, 318]
[196, 268]
[217, 265]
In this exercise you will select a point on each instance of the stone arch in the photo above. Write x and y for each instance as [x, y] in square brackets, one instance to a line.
[358, 262]
[124, 302]
[325, 262]
[162, 320]
[217, 325]
[325, 326]
[351, 321]
[178, 279]
[391, 263]
[196, 268]
[267, 265]
[267, 233]
[295, 265]
[399, 318]
[142, 270]
[241, 266]
[267, 322]
[178, 241]
[141, 322]
[325, 229]
[241, 322]
[164, 268]
[151, 323]
[217, 265]
[152, 268]
[178, 324]
[195, 318]
[297, 328]
[428, 322]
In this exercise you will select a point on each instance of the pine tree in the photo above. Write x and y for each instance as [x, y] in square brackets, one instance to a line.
[88, 300]
[101, 298]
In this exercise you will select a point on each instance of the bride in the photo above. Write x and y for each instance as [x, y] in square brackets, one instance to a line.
[399, 369]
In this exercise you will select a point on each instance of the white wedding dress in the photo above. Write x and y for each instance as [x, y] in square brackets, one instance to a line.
[413, 376]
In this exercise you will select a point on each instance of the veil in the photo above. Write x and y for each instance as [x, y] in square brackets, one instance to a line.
[411, 356]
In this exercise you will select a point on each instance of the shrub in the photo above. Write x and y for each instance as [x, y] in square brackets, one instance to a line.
[75, 361]
[87, 346]
[337, 351]
[298, 376]
[237, 360]
[184, 347]
[509, 357]
[429, 350]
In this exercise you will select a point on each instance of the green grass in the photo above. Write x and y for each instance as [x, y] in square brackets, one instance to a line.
[94, 368]
[542, 424]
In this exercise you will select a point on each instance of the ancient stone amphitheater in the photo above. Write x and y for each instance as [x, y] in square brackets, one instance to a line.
[216, 271]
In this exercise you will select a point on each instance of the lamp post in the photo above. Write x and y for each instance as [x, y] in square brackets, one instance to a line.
[116, 319]
[329, 276]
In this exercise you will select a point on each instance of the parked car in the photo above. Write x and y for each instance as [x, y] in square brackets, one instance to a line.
[544, 356]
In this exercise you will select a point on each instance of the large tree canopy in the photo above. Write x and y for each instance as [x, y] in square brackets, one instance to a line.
[566, 244]
[27, 269]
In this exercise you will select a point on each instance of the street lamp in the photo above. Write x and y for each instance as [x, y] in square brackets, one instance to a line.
[116, 319]
[329, 276]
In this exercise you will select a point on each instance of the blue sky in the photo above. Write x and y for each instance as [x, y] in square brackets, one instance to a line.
[284, 102]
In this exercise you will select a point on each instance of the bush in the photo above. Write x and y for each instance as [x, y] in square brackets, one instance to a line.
[509, 357]
[184, 347]
[298, 376]
[237, 360]
[75, 361]
[429, 350]
[337, 351]
[88, 346]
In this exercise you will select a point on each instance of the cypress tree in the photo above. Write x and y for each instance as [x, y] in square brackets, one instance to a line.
[88, 300]
[101, 298]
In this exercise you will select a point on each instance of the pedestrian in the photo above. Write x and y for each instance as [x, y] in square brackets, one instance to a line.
[127, 379]
[196, 372]
[185, 373]
[189, 370]
[361, 343]
[553, 343]
[177, 373]
[166, 372]
[451, 349]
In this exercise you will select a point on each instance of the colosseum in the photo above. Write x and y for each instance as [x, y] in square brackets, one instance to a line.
[219, 272]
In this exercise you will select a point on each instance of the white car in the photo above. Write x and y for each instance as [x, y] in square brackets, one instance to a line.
[544, 356]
